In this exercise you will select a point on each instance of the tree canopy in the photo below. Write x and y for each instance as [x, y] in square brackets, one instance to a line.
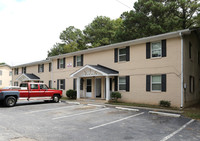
[148, 17]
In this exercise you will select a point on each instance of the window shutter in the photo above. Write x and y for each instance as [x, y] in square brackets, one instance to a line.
[63, 84]
[38, 68]
[190, 50]
[163, 80]
[128, 53]
[81, 86]
[49, 67]
[22, 69]
[116, 83]
[81, 59]
[74, 84]
[127, 83]
[58, 63]
[164, 47]
[63, 62]
[110, 84]
[116, 55]
[42, 67]
[148, 83]
[58, 84]
[148, 50]
[74, 61]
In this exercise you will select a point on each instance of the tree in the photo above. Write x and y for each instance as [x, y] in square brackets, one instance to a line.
[100, 32]
[152, 17]
[72, 40]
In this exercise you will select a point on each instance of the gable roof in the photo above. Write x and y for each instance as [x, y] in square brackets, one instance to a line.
[27, 77]
[94, 70]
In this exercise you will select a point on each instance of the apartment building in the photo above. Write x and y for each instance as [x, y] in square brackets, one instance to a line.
[5, 75]
[146, 70]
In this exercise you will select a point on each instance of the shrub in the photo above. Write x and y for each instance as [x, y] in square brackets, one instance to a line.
[116, 95]
[71, 94]
[164, 103]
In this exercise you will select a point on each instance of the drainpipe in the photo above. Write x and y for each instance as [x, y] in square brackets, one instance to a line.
[182, 90]
[51, 73]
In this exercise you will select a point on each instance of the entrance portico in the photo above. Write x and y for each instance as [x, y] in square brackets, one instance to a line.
[97, 81]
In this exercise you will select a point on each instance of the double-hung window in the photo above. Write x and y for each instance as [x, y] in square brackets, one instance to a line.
[16, 71]
[122, 83]
[78, 61]
[156, 83]
[10, 73]
[122, 54]
[156, 49]
[61, 63]
[23, 69]
[0, 72]
[41, 68]
[61, 84]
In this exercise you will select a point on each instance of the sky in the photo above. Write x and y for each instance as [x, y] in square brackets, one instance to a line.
[29, 28]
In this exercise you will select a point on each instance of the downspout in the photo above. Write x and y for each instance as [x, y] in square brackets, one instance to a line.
[51, 73]
[182, 90]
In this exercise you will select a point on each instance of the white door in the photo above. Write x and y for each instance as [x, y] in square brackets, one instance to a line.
[98, 87]
[89, 88]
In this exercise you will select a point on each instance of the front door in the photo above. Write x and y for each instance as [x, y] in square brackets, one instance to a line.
[98, 87]
[89, 88]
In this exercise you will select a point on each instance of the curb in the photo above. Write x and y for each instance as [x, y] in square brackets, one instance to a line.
[103, 106]
[146, 108]
[76, 103]
[128, 109]
[165, 114]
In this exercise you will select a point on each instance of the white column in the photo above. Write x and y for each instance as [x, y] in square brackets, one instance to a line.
[107, 88]
[78, 87]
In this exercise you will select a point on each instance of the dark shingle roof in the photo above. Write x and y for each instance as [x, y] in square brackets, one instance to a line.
[31, 76]
[104, 69]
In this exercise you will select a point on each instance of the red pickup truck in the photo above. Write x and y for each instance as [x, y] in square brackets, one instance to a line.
[29, 91]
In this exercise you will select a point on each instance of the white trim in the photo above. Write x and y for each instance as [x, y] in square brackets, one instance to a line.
[160, 49]
[92, 68]
[156, 83]
[122, 54]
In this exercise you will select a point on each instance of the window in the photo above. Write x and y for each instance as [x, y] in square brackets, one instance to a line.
[23, 69]
[156, 83]
[61, 84]
[10, 73]
[78, 61]
[41, 68]
[50, 84]
[0, 72]
[0, 82]
[192, 84]
[122, 83]
[34, 86]
[43, 86]
[15, 83]
[60, 63]
[156, 49]
[122, 54]
[16, 71]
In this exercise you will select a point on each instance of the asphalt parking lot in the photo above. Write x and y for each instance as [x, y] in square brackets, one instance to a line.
[69, 122]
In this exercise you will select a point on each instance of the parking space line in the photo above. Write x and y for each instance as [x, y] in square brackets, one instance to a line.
[45, 110]
[81, 113]
[177, 131]
[115, 121]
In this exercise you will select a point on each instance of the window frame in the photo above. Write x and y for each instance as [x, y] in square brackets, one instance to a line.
[23, 69]
[154, 50]
[156, 83]
[121, 83]
[61, 85]
[61, 65]
[16, 71]
[1, 72]
[41, 68]
[78, 62]
[120, 55]
[16, 83]
[1, 82]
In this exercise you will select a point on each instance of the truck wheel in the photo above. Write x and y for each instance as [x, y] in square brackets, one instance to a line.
[56, 98]
[10, 101]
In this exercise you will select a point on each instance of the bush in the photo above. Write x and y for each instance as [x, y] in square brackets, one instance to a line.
[71, 94]
[164, 103]
[116, 95]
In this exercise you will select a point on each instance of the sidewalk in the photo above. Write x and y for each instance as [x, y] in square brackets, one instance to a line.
[105, 103]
